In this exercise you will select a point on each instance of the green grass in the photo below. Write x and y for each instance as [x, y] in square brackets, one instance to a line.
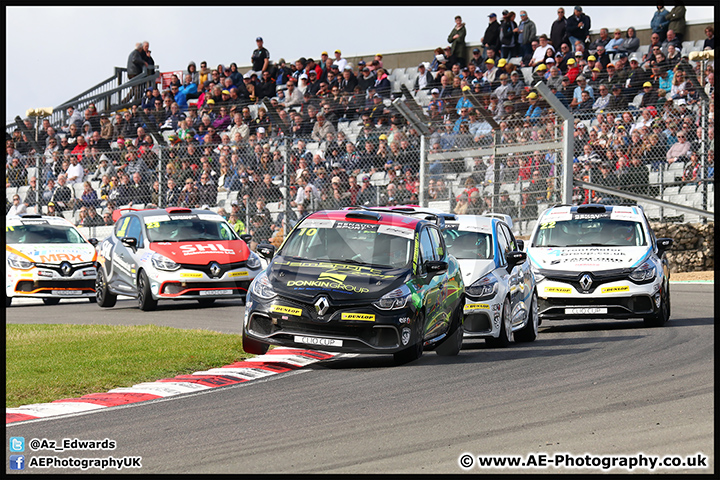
[52, 362]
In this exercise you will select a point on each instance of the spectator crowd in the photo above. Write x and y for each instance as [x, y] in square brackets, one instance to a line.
[635, 110]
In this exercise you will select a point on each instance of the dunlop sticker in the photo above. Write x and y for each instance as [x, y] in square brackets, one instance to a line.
[625, 288]
[558, 290]
[239, 274]
[477, 306]
[358, 316]
[191, 275]
[289, 310]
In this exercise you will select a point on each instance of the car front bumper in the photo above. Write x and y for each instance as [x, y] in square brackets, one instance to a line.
[481, 318]
[350, 328]
[618, 299]
[185, 284]
[50, 282]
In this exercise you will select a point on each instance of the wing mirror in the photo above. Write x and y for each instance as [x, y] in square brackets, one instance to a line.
[266, 250]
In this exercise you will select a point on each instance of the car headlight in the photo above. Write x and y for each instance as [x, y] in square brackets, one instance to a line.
[161, 262]
[486, 287]
[537, 273]
[643, 273]
[395, 299]
[16, 261]
[253, 261]
[262, 288]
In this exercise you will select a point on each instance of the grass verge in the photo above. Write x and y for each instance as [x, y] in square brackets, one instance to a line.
[52, 362]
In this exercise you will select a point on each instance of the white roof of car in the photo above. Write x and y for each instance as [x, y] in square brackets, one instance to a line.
[30, 219]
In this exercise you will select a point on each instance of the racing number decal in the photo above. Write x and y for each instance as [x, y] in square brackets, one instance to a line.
[123, 227]
[546, 225]
[308, 232]
[152, 225]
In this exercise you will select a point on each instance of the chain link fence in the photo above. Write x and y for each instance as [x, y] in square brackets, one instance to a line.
[468, 149]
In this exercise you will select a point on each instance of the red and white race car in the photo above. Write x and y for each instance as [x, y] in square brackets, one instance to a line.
[174, 254]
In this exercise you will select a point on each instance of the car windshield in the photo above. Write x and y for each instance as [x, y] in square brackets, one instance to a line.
[42, 234]
[351, 242]
[468, 245]
[605, 232]
[186, 230]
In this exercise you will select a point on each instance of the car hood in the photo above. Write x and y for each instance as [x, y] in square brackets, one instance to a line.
[576, 259]
[54, 253]
[473, 270]
[306, 279]
[203, 252]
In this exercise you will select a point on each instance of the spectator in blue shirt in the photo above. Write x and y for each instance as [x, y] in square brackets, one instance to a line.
[534, 111]
[659, 23]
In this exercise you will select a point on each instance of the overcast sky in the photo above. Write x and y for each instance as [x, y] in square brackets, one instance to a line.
[55, 53]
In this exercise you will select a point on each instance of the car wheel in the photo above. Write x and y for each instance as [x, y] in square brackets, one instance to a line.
[103, 297]
[145, 300]
[51, 301]
[453, 343]
[506, 335]
[8, 301]
[530, 331]
[414, 351]
[663, 314]
[253, 346]
[206, 302]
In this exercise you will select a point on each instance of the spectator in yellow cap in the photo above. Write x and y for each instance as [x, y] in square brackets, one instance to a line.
[339, 61]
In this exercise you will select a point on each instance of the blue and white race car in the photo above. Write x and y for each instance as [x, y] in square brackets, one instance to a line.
[600, 261]
[500, 294]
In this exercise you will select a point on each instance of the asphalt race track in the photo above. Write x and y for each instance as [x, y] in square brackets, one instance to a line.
[598, 388]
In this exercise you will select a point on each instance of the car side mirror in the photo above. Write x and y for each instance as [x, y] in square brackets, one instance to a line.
[93, 241]
[520, 244]
[246, 237]
[664, 244]
[436, 267]
[266, 250]
[130, 242]
[515, 257]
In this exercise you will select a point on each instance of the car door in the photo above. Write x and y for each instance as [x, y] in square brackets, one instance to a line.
[436, 284]
[123, 257]
[516, 277]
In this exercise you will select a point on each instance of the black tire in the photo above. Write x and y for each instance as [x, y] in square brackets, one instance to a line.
[103, 297]
[506, 337]
[8, 301]
[253, 346]
[145, 300]
[530, 331]
[414, 351]
[92, 299]
[206, 302]
[663, 314]
[452, 345]
[51, 301]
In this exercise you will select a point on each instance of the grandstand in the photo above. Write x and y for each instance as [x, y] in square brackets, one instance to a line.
[500, 138]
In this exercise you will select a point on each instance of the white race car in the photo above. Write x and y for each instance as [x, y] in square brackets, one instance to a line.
[48, 258]
[500, 297]
[600, 261]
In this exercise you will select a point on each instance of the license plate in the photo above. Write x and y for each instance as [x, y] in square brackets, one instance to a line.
[215, 292]
[320, 342]
[66, 293]
[585, 311]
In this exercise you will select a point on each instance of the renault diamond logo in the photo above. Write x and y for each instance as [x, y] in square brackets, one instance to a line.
[65, 268]
[322, 305]
[586, 282]
[215, 269]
